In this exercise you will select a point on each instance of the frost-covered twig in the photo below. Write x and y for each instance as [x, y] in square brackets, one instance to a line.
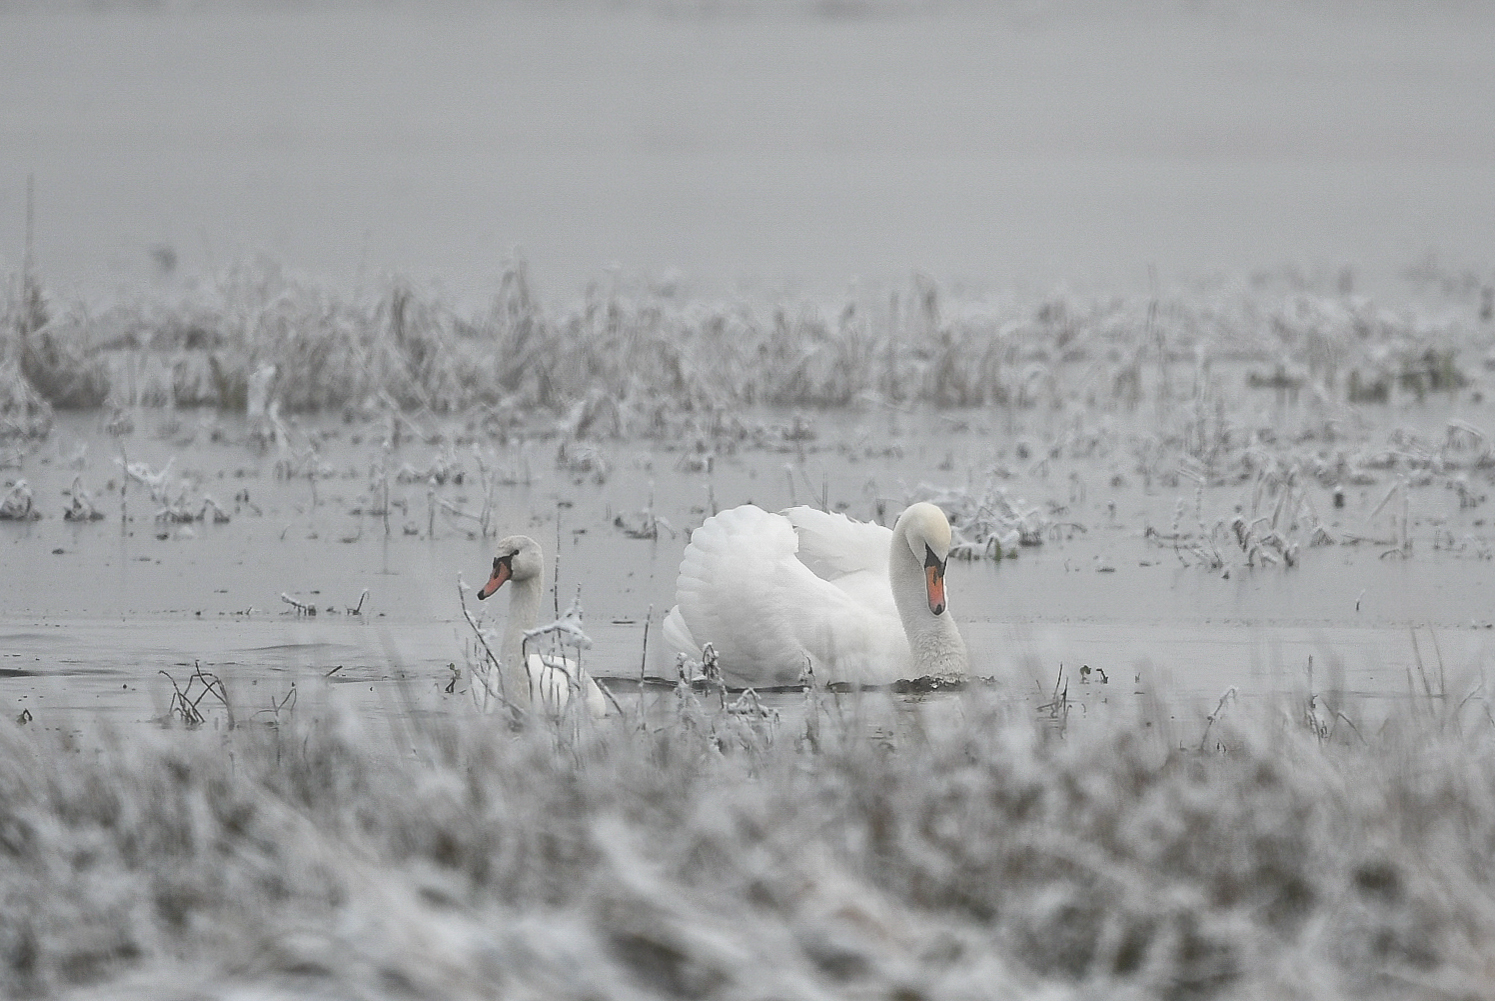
[301, 608]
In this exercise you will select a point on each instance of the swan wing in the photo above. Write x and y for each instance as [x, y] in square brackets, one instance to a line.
[552, 679]
[853, 555]
[677, 634]
[833, 545]
[743, 589]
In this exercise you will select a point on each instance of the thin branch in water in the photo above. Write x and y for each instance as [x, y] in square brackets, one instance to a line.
[1219, 713]
[494, 665]
[643, 664]
[301, 607]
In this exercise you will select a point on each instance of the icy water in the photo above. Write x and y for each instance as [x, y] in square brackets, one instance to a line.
[92, 612]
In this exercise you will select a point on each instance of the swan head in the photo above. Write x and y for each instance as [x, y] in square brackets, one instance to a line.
[926, 531]
[517, 558]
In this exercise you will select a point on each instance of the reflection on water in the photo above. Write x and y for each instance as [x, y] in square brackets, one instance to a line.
[378, 670]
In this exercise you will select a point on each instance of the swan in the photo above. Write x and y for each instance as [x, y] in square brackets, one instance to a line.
[540, 679]
[861, 604]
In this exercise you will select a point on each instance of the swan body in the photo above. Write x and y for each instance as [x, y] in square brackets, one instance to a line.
[545, 681]
[858, 603]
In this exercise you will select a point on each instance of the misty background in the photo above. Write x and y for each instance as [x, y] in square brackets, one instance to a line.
[792, 147]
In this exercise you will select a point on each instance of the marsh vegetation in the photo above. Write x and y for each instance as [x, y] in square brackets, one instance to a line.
[304, 806]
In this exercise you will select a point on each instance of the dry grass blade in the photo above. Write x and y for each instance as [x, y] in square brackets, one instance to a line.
[186, 701]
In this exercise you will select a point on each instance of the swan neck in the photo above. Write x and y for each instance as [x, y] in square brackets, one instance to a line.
[938, 649]
[934, 640]
[524, 611]
[906, 576]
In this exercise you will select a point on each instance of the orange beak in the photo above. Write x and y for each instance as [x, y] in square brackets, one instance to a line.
[934, 582]
[935, 579]
[501, 572]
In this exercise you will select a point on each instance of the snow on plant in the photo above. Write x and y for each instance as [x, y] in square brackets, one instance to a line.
[989, 524]
[17, 503]
[967, 850]
[628, 360]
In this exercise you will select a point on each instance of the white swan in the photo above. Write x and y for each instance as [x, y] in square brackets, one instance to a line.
[541, 680]
[861, 604]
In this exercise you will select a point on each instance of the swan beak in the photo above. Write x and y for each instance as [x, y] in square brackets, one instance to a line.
[501, 572]
[934, 581]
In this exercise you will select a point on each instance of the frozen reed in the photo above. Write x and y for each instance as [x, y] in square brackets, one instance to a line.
[643, 361]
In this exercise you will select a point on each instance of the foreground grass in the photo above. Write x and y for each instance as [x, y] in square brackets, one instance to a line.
[963, 851]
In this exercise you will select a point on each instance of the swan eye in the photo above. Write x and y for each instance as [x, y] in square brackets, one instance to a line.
[931, 560]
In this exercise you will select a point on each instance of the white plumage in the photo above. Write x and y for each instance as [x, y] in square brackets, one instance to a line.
[542, 681]
[855, 601]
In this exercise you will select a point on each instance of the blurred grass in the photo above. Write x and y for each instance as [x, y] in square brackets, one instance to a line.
[635, 362]
[956, 849]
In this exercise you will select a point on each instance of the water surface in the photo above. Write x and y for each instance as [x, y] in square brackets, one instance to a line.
[92, 612]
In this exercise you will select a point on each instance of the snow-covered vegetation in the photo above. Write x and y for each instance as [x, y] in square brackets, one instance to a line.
[642, 361]
[962, 848]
